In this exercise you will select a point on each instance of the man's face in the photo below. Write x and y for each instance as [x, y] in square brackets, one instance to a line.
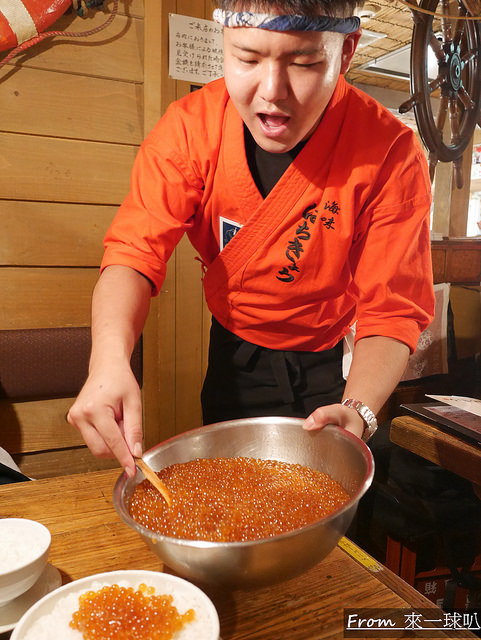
[281, 82]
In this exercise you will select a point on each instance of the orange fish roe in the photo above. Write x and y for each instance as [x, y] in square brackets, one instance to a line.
[123, 613]
[236, 499]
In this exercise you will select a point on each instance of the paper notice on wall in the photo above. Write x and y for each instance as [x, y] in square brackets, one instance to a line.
[195, 49]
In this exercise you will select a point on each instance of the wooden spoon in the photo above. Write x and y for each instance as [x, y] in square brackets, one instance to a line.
[154, 479]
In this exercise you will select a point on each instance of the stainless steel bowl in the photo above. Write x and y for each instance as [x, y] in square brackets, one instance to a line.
[244, 565]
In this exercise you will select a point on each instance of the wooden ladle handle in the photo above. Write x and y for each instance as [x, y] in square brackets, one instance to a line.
[154, 479]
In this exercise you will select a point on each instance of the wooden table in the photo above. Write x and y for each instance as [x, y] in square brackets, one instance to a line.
[88, 537]
[444, 449]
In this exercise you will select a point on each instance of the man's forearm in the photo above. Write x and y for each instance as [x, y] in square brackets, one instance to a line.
[378, 364]
[120, 305]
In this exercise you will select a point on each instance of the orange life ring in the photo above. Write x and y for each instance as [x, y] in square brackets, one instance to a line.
[21, 20]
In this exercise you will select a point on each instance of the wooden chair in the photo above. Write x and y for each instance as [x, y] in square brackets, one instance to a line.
[41, 371]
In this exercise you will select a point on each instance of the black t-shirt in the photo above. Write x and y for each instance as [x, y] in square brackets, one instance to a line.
[266, 167]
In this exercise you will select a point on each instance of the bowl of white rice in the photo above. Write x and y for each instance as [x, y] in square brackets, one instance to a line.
[50, 617]
[24, 549]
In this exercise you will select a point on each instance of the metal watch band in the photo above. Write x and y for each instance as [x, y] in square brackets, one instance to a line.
[366, 414]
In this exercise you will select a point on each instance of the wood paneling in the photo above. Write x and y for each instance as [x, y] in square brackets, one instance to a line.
[159, 89]
[457, 261]
[56, 170]
[53, 234]
[158, 391]
[71, 106]
[134, 8]
[37, 426]
[75, 112]
[439, 264]
[41, 297]
[73, 117]
[47, 464]
[190, 355]
[207, 321]
[115, 52]
[188, 338]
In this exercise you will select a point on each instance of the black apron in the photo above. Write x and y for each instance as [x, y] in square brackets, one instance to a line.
[244, 380]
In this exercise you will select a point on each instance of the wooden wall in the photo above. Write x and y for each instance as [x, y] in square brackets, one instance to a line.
[188, 344]
[73, 114]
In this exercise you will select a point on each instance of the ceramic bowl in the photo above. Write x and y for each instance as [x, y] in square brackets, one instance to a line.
[49, 618]
[24, 549]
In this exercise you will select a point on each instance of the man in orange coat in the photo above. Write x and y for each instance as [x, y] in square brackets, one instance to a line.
[309, 206]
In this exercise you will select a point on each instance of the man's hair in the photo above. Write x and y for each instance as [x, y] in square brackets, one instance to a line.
[310, 8]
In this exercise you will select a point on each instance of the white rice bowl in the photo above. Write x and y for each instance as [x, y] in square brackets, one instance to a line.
[49, 618]
[24, 549]
[23, 541]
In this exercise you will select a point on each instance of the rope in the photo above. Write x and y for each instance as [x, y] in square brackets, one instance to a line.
[414, 7]
[66, 34]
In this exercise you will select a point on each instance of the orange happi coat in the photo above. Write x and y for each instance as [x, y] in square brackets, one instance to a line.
[343, 237]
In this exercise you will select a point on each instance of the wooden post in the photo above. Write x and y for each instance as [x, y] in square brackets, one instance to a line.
[443, 186]
[175, 334]
[450, 203]
[159, 334]
[458, 221]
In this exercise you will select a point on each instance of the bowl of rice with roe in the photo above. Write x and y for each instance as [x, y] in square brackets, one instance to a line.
[254, 501]
[134, 604]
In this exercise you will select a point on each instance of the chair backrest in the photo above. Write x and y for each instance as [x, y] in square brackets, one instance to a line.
[41, 371]
[48, 363]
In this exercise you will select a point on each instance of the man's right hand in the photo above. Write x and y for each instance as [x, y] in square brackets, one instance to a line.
[108, 410]
[108, 414]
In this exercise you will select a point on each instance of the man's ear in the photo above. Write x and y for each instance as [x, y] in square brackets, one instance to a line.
[349, 49]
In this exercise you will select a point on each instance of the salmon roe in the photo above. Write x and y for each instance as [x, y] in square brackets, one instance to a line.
[124, 613]
[235, 499]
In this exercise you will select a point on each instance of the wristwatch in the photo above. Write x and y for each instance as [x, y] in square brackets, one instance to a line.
[366, 414]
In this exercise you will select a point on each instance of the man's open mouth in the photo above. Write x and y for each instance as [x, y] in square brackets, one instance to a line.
[273, 121]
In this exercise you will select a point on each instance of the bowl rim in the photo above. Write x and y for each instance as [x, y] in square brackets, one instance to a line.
[45, 547]
[203, 544]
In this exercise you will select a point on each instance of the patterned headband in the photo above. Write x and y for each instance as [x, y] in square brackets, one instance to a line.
[286, 22]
